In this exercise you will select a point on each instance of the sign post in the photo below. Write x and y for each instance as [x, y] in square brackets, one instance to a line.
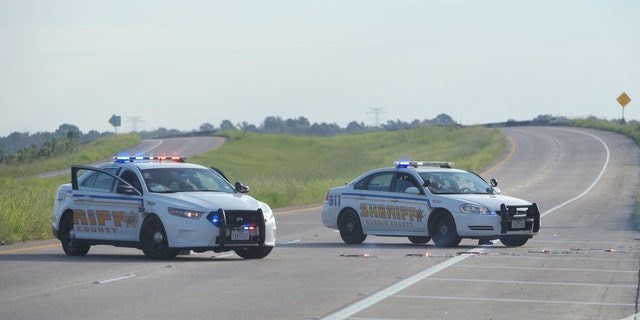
[623, 100]
[115, 122]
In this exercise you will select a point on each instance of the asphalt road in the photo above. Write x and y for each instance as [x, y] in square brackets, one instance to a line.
[185, 147]
[584, 264]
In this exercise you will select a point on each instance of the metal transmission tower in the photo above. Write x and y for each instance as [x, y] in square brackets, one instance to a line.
[376, 115]
[134, 122]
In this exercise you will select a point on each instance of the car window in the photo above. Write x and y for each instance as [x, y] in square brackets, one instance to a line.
[185, 179]
[403, 181]
[455, 182]
[95, 181]
[380, 181]
[131, 178]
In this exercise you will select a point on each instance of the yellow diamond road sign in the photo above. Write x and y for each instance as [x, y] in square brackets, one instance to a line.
[623, 99]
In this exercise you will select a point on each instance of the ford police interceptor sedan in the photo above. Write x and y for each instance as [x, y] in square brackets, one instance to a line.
[162, 206]
[426, 201]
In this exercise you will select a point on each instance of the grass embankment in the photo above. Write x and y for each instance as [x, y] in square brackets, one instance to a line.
[285, 170]
[281, 170]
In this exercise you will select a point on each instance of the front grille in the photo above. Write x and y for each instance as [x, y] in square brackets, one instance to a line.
[519, 218]
[239, 227]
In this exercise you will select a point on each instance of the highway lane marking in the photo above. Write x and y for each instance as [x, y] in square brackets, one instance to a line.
[593, 184]
[579, 284]
[126, 276]
[507, 158]
[30, 248]
[298, 210]
[494, 267]
[518, 300]
[395, 288]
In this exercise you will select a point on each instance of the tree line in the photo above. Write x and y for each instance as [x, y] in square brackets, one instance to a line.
[25, 147]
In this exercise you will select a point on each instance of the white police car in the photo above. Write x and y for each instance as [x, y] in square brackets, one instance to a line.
[162, 206]
[428, 200]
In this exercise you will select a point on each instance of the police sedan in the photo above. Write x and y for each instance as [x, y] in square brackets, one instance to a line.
[428, 200]
[162, 206]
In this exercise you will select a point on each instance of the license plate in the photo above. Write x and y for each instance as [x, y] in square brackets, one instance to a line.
[517, 224]
[240, 235]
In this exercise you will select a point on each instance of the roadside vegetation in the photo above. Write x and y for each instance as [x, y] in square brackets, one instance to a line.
[282, 170]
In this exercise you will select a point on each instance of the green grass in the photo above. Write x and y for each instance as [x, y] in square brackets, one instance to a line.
[281, 170]
[285, 170]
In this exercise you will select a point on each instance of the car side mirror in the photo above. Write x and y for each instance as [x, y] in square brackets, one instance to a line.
[241, 187]
[426, 183]
[412, 190]
[127, 189]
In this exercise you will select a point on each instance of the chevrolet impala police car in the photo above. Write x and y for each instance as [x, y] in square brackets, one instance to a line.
[162, 206]
[428, 200]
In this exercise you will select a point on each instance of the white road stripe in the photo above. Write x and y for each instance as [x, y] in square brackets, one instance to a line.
[126, 276]
[538, 282]
[467, 299]
[396, 287]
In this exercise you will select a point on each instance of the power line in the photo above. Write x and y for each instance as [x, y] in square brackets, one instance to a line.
[376, 115]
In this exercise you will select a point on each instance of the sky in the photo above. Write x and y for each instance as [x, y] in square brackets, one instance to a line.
[181, 64]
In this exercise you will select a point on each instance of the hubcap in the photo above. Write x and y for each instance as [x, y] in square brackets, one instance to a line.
[157, 237]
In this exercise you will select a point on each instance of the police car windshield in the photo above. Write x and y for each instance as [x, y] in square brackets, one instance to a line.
[166, 180]
[455, 182]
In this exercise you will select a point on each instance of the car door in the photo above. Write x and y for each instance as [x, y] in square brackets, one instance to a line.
[377, 196]
[105, 207]
[410, 210]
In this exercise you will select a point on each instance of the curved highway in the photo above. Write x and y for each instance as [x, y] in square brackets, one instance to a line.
[584, 264]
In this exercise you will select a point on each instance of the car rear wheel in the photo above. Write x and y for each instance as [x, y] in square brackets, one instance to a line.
[68, 239]
[443, 231]
[351, 229]
[514, 241]
[154, 242]
[419, 240]
[254, 253]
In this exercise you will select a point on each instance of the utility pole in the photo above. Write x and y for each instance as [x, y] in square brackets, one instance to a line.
[376, 115]
[134, 122]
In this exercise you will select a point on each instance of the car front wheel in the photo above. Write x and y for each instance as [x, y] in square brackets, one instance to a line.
[443, 231]
[514, 241]
[154, 242]
[254, 253]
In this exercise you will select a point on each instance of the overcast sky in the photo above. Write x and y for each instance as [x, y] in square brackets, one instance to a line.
[179, 64]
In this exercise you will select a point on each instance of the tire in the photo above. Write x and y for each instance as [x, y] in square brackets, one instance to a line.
[443, 231]
[419, 240]
[70, 245]
[514, 241]
[351, 228]
[253, 253]
[154, 242]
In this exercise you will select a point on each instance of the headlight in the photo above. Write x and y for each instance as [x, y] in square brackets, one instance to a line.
[266, 211]
[191, 214]
[473, 208]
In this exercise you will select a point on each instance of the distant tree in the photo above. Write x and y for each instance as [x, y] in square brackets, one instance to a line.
[206, 127]
[273, 124]
[443, 120]
[227, 125]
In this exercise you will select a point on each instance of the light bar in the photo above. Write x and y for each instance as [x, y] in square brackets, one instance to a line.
[406, 163]
[123, 159]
